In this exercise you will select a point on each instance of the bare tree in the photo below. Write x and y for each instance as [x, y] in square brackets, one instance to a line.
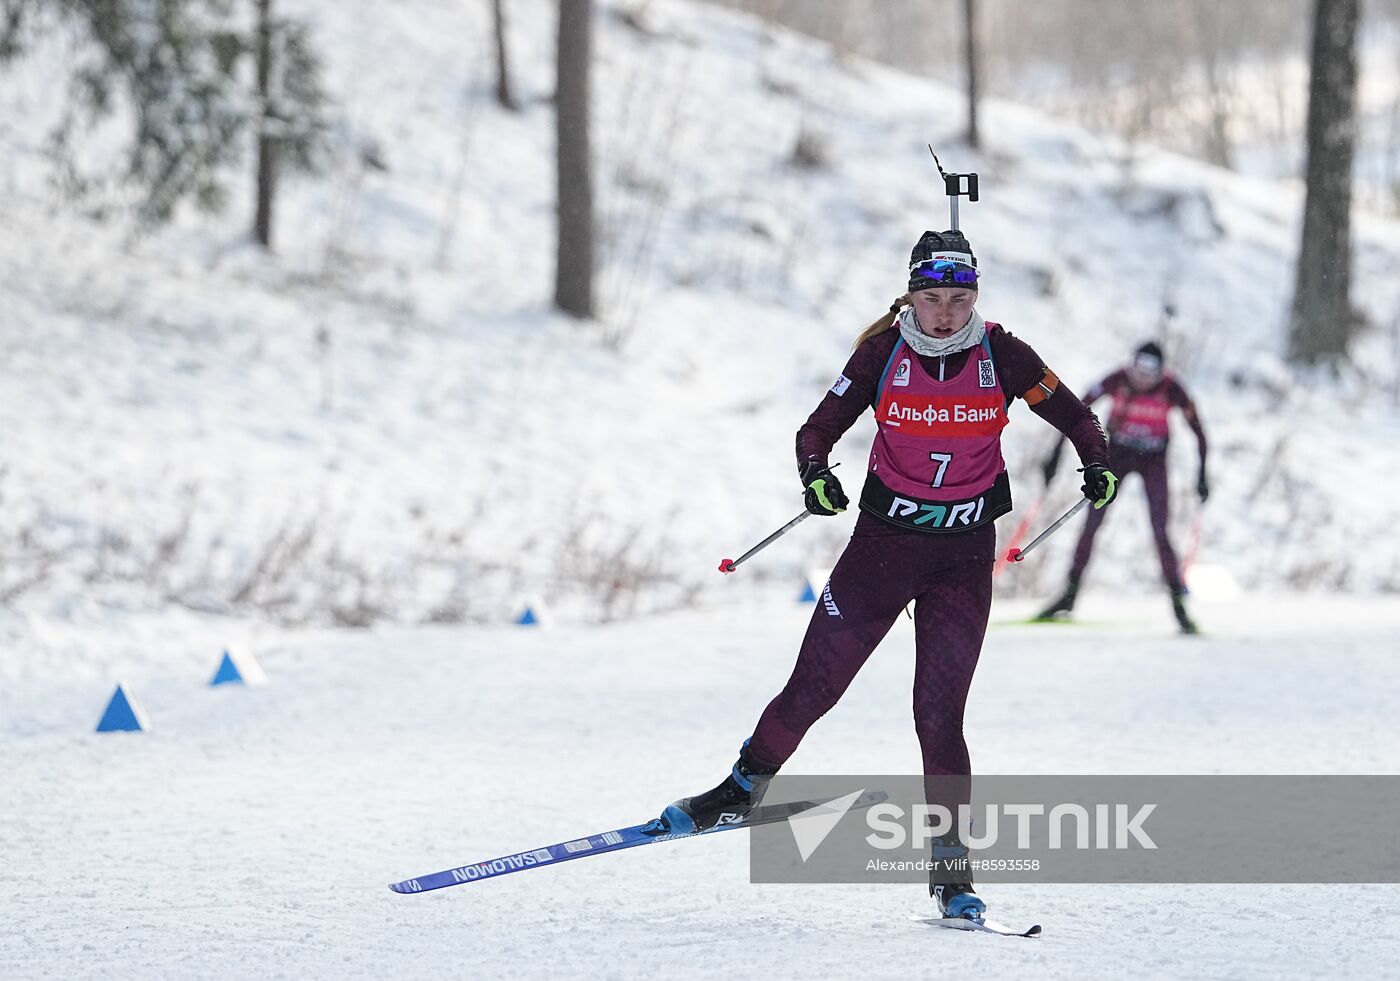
[503, 92]
[1321, 300]
[573, 281]
[267, 166]
[974, 140]
[1218, 46]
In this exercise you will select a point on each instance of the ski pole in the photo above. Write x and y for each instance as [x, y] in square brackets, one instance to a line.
[1017, 554]
[1193, 542]
[1021, 528]
[729, 565]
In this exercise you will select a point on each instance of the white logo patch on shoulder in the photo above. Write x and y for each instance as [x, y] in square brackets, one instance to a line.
[986, 374]
[842, 383]
[901, 374]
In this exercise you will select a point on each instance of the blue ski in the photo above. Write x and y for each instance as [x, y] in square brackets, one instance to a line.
[608, 841]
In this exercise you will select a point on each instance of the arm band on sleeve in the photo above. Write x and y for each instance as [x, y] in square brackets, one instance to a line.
[1042, 389]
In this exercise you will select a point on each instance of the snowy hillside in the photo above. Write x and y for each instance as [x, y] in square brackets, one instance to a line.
[385, 422]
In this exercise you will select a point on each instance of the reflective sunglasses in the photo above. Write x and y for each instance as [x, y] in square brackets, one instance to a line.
[1147, 364]
[945, 271]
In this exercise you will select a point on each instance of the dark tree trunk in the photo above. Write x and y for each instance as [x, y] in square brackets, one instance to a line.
[1321, 301]
[267, 163]
[974, 139]
[503, 92]
[573, 281]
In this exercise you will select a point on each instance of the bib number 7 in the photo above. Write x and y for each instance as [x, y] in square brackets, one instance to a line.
[943, 460]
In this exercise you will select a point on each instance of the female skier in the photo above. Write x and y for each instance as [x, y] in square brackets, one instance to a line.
[1144, 393]
[940, 380]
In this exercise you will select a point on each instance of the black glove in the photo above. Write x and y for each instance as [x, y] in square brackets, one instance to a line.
[824, 494]
[1100, 484]
[1203, 486]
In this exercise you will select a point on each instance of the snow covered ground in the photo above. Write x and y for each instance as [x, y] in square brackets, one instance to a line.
[252, 832]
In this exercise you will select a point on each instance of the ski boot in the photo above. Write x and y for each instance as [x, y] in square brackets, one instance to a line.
[1183, 619]
[1062, 607]
[955, 899]
[729, 803]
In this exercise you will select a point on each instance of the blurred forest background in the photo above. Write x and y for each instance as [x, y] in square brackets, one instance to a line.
[276, 256]
[1222, 80]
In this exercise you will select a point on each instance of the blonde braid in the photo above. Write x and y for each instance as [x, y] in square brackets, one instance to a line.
[884, 323]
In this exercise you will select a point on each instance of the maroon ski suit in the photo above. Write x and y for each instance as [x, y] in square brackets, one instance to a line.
[948, 576]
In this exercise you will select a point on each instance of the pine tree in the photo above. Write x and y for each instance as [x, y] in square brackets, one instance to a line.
[291, 109]
[178, 66]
